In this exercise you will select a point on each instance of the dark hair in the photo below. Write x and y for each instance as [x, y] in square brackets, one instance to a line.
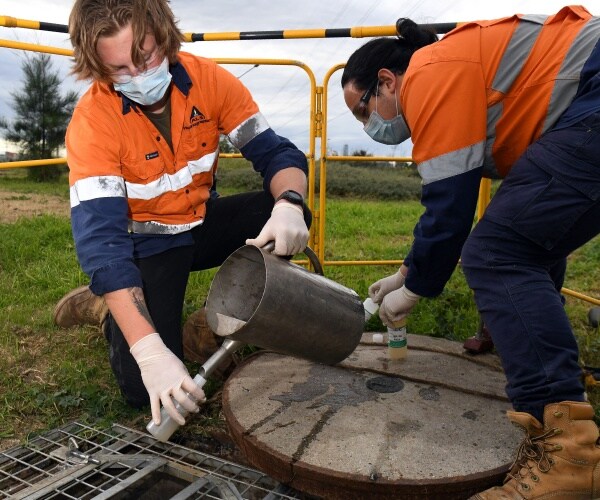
[391, 53]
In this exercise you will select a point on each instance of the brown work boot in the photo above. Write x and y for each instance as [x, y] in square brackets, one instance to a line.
[80, 307]
[559, 460]
[200, 342]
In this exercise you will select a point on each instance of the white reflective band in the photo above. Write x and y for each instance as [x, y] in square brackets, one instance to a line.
[517, 52]
[510, 67]
[171, 182]
[91, 188]
[451, 164]
[107, 186]
[567, 80]
[153, 227]
[248, 130]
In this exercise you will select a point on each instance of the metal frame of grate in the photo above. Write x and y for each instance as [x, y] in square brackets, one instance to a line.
[77, 461]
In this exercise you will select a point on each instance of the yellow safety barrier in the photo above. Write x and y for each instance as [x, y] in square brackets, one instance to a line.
[13, 22]
[317, 119]
[32, 163]
[355, 32]
[35, 48]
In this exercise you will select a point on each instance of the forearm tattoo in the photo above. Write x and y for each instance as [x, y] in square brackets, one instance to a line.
[137, 297]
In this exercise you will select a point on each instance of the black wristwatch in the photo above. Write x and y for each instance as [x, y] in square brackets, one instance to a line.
[293, 197]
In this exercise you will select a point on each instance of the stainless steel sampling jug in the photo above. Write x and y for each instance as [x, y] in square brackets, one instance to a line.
[267, 301]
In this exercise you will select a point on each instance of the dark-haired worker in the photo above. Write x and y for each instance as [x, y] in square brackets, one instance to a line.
[516, 98]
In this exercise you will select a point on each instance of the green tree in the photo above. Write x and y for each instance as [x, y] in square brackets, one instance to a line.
[42, 115]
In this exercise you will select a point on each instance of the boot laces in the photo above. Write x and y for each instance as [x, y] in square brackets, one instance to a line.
[533, 453]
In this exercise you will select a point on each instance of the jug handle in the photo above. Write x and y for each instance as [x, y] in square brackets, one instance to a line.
[309, 252]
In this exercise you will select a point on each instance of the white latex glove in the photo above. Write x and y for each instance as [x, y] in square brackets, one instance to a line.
[165, 377]
[397, 305]
[286, 227]
[379, 289]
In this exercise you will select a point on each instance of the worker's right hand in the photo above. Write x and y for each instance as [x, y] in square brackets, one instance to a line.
[165, 378]
[396, 305]
[286, 228]
[379, 289]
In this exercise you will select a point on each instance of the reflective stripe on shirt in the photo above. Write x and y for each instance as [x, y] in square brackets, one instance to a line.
[110, 185]
[91, 188]
[248, 130]
[153, 227]
[528, 86]
[171, 182]
[451, 164]
[517, 52]
[567, 81]
[513, 60]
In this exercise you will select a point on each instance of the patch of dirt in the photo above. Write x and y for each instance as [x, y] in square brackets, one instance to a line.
[5, 444]
[16, 205]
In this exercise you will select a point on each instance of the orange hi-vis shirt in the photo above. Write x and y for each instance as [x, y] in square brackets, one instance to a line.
[117, 152]
[474, 101]
[489, 89]
[132, 196]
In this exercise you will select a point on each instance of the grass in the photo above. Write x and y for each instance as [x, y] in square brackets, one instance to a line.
[369, 230]
[17, 181]
[50, 376]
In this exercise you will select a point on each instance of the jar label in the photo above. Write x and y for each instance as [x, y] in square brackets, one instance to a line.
[397, 338]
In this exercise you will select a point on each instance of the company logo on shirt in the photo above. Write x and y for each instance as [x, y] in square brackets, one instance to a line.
[151, 156]
[197, 115]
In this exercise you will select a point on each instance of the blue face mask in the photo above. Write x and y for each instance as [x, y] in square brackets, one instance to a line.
[392, 131]
[148, 87]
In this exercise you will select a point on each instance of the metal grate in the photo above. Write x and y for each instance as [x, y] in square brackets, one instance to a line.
[81, 462]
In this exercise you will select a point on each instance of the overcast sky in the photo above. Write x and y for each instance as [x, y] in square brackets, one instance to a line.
[281, 92]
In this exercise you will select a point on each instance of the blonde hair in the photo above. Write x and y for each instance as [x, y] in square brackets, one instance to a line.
[92, 19]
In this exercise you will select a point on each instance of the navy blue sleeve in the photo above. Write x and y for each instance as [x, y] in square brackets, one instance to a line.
[104, 247]
[408, 258]
[441, 231]
[270, 153]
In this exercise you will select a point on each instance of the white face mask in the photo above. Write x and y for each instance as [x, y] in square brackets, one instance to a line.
[148, 87]
[392, 131]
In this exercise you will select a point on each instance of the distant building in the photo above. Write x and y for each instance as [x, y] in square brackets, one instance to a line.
[345, 150]
[8, 156]
[7, 150]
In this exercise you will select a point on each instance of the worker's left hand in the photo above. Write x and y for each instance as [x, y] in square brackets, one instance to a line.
[397, 305]
[165, 378]
[379, 289]
[286, 227]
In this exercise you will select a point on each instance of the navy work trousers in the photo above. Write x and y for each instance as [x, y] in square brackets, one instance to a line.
[228, 223]
[514, 260]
